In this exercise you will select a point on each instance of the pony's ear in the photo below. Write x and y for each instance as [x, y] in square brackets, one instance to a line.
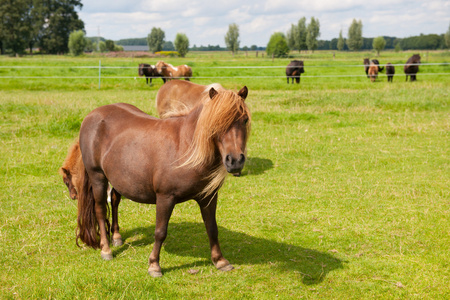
[243, 92]
[212, 93]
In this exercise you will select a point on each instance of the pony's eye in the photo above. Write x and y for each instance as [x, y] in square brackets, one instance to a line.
[245, 120]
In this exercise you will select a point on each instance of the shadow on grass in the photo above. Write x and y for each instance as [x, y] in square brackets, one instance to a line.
[189, 239]
[256, 166]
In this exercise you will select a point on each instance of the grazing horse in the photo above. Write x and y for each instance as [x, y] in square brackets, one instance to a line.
[390, 71]
[179, 95]
[149, 71]
[412, 67]
[70, 170]
[169, 72]
[162, 162]
[294, 70]
[373, 72]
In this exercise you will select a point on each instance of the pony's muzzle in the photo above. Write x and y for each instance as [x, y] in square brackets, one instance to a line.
[234, 164]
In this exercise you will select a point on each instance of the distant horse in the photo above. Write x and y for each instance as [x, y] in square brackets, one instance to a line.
[367, 63]
[162, 162]
[169, 72]
[373, 72]
[294, 70]
[178, 95]
[390, 71]
[412, 67]
[149, 71]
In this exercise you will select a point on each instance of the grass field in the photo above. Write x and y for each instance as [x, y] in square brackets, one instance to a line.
[345, 193]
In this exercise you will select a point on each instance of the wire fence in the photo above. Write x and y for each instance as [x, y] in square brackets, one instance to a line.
[101, 75]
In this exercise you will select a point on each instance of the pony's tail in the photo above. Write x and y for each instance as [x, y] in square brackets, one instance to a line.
[88, 230]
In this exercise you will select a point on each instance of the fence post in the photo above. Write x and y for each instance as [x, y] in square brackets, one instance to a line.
[99, 73]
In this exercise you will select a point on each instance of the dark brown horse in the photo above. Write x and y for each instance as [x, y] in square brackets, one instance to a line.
[170, 72]
[294, 70]
[390, 71]
[162, 162]
[178, 95]
[150, 72]
[412, 67]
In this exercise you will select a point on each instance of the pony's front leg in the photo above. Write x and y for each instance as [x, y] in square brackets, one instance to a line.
[164, 208]
[115, 201]
[208, 208]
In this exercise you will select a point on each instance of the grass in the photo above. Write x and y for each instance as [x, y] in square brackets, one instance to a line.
[344, 194]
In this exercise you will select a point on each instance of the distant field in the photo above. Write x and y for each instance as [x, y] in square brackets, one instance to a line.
[345, 193]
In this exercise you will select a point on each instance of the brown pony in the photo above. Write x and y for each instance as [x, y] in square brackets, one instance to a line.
[169, 72]
[373, 72]
[162, 162]
[70, 170]
[412, 67]
[178, 95]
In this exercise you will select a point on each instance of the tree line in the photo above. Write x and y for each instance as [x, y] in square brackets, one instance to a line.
[49, 25]
[30, 23]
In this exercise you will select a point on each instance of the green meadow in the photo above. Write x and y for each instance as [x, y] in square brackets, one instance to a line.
[344, 195]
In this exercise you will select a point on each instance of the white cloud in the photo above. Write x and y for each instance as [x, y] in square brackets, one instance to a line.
[206, 22]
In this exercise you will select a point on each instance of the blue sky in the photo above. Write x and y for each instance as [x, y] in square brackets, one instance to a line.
[206, 22]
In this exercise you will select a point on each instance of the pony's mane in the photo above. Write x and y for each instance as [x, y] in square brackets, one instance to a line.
[216, 117]
[181, 109]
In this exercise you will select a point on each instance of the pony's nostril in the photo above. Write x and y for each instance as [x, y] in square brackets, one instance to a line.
[229, 159]
[242, 159]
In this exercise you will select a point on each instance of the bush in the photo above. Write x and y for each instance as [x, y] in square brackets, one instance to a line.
[77, 42]
[277, 45]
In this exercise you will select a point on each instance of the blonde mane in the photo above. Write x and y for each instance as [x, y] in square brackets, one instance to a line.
[216, 117]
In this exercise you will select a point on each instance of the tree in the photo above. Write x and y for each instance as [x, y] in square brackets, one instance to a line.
[182, 44]
[277, 45]
[232, 38]
[355, 40]
[102, 46]
[312, 33]
[291, 36]
[12, 28]
[301, 34]
[77, 42]
[109, 45]
[340, 42]
[155, 39]
[168, 46]
[447, 37]
[378, 44]
[60, 19]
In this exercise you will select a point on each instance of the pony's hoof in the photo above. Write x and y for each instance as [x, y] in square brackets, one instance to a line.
[226, 268]
[106, 255]
[117, 242]
[155, 273]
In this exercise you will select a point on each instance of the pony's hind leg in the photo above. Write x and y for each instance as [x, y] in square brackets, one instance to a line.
[115, 201]
[208, 210]
[99, 190]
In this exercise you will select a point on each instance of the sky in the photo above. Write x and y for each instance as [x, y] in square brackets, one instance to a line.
[206, 22]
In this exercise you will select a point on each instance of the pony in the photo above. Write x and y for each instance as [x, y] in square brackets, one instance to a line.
[373, 72]
[150, 72]
[294, 70]
[412, 67]
[367, 63]
[390, 71]
[70, 170]
[162, 162]
[178, 95]
[169, 72]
